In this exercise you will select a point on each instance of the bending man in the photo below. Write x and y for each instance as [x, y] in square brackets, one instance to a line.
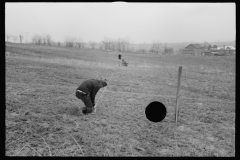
[87, 92]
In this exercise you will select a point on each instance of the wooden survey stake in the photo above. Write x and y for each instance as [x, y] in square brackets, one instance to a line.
[178, 90]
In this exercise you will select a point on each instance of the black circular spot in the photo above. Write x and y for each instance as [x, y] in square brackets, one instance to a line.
[155, 111]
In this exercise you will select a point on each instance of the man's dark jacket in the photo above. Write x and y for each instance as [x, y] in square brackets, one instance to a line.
[92, 86]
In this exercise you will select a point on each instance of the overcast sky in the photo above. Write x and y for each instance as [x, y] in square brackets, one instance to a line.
[139, 22]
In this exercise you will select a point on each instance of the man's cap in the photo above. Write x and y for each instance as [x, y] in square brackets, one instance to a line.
[103, 82]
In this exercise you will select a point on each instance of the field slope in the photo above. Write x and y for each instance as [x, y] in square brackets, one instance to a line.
[43, 115]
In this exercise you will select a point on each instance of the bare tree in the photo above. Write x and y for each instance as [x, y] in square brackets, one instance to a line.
[67, 42]
[106, 44]
[70, 41]
[82, 44]
[130, 47]
[93, 44]
[155, 49]
[112, 44]
[127, 45]
[101, 46]
[14, 39]
[8, 37]
[119, 45]
[122, 45]
[44, 40]
[48, 40]
[34, 39]
[37, 39]
[21, 38]
[79, 43]
[40, 40]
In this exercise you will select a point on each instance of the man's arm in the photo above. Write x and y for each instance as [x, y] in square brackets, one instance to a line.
[96, 88]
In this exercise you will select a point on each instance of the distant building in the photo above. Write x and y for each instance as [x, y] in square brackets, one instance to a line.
[225, 50]
[224, 47]
[229, 47]
[213, 49]
[207, 53]
[193, 49]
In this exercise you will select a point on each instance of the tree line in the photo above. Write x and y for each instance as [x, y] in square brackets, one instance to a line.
[8, 37]
[107, 44]
[118, 45]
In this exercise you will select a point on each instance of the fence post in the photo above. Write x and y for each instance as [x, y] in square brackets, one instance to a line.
[178, 90]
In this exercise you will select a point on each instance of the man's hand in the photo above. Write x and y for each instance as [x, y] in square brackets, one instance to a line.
[81, 92]
[94, 110]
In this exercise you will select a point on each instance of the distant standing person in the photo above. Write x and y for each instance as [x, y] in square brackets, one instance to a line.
[87, 92]
[119, 59]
